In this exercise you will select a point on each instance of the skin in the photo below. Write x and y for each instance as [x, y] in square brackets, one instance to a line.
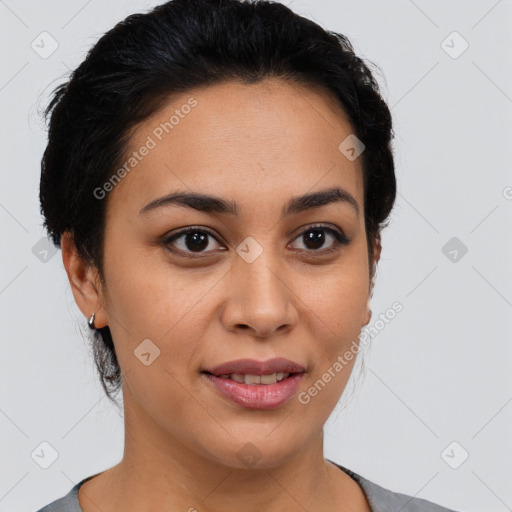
[259, 145]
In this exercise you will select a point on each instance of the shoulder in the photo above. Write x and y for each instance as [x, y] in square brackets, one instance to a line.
[380, 498]
[385, 500]
[68, 503]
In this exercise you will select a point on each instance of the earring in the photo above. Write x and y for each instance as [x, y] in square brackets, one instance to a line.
[91, 322]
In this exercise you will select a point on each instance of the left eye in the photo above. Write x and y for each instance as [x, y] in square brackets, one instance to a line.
[195, 240]
[315, 238]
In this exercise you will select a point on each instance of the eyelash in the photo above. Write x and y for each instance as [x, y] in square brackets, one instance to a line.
[339, 240]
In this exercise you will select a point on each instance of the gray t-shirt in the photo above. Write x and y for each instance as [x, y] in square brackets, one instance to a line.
[380, 499]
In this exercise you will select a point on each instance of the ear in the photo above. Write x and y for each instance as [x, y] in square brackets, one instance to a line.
[377, 248]
[84, 280]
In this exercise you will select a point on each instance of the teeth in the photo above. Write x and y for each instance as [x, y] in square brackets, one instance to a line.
[252, 379]
[269, 379]
[257, 379]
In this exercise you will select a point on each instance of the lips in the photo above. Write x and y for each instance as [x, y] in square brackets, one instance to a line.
[257, 384]
[254, 367]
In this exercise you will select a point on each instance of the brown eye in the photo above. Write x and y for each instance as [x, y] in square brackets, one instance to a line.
[196, 242]
[315, 237]
[191, 240]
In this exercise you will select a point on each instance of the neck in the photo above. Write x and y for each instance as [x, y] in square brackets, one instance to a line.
[160, 472]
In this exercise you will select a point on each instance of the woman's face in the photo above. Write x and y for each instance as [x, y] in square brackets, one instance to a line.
[254, 284]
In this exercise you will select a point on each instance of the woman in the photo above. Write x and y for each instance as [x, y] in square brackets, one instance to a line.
[217, 176]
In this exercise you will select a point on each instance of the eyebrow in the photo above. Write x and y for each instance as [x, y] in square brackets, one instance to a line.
[212, 204]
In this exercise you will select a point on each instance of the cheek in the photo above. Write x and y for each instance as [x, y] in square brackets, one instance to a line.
[336, 308]
[151, 299]
[337, 299]
[172, 309]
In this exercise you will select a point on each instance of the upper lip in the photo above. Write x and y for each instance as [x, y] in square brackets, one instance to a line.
[254, 367]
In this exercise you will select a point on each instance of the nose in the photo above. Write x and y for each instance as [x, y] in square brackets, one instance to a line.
[259, 298]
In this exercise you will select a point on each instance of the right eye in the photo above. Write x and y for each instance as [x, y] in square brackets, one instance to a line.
[189, 241]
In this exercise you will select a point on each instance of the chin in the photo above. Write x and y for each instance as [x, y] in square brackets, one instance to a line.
[256, 451]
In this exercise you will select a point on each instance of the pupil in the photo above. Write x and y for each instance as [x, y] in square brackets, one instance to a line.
[198, 241]
[314, 236]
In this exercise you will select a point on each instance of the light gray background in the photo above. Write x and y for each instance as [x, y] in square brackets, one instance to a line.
[438, 373]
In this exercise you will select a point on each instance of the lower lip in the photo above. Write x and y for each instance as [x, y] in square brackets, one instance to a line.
[257, 396]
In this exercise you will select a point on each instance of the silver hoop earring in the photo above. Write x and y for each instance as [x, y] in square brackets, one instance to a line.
[91, 322]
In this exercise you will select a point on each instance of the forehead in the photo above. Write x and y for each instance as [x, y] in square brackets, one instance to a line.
[246, 140]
